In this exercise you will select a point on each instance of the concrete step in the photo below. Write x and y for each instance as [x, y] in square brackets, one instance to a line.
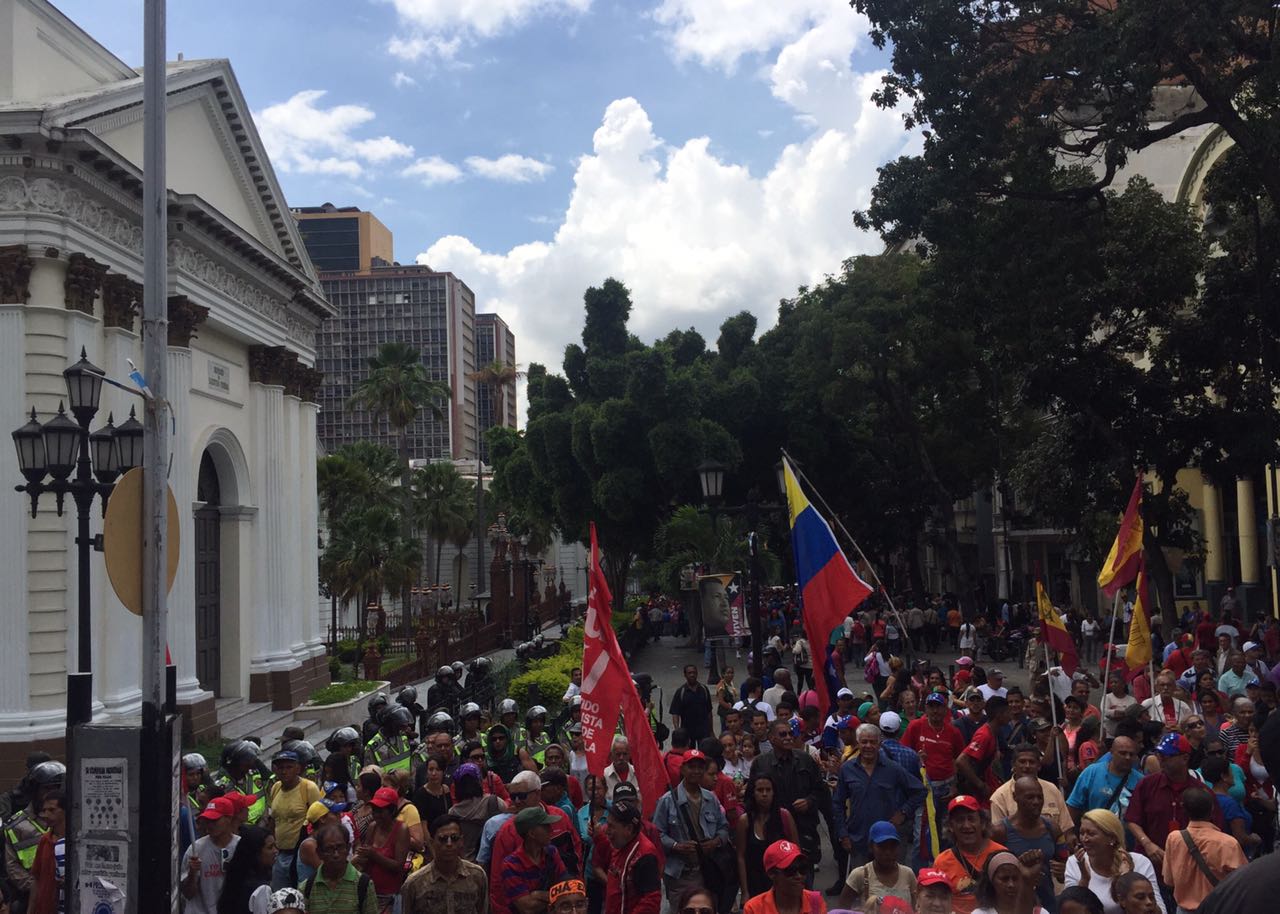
[244, 718]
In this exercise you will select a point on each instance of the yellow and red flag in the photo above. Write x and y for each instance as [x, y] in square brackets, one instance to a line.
[1053, 632]
[1121, 566]
[1138, 653]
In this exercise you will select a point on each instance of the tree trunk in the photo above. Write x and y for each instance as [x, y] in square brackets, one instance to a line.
[616, 571]
[439, 550]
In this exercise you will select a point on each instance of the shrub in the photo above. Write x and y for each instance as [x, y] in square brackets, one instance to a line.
[348, 651]
[551, 683]
[340, 692]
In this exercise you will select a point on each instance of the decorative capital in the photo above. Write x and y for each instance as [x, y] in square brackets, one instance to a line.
[84, 278]
[306, 382]
[290, 366]
[15, 274]
[268, 365]
[121, 299]
[184, 317]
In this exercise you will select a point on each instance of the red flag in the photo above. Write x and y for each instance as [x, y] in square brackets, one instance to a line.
[1121, 566]
[607, 689]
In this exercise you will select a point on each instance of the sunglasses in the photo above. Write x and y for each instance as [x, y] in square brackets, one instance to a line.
[795, 869]
[448, 839]
[518, 796]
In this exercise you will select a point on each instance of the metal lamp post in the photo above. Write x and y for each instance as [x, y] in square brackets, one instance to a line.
[711, 477]
[55, 450]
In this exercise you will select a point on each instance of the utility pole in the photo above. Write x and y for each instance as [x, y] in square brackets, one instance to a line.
[158, 859]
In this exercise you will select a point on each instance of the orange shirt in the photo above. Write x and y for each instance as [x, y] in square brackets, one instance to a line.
[964, 879]
[1221, 851]
[813, 903]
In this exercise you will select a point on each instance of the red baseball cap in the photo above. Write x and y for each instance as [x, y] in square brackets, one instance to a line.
[964, 801]
[693, 755]
[218, 808]
[385, 796]
[781, 854]
[241, 800]
[891, 905]
[934, 877]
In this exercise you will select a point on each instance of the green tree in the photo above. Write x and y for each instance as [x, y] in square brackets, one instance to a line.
[1001, 86]
[442, 504]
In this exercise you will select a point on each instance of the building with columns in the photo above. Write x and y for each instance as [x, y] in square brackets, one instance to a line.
[244, 306]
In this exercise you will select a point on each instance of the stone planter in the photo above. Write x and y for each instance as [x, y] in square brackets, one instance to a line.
[344, 714]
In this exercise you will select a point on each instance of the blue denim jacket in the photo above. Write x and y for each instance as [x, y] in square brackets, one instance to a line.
[670, 823]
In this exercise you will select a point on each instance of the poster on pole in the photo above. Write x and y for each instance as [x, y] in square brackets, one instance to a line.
[723, 605]
[104, 794]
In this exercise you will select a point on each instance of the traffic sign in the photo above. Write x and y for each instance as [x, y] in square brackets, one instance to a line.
[122, 540]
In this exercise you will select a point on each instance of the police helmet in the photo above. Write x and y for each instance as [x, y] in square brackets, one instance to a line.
[48, 773]
[407, 696]
[343, 736]
[194, 761]
[444, 671]
[307, 755]
[397, 718]
[440, 722]
[535, 712]
[508, 706]
[458, 669]
[470, 709]
[376, 703]
[482, 664]
[240, 752]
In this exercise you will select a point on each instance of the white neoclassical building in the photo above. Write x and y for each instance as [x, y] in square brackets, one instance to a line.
[244, 307]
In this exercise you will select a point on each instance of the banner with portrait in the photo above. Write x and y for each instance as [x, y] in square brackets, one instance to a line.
[724, 613]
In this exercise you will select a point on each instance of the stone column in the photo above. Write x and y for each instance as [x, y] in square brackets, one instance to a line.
[308, 542]
[184, 319]
[1247, 528]
[14, 670]
[1214, 549]
[272, 660]
[296, 628]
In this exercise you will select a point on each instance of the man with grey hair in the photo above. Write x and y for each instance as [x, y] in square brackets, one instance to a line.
[871, 788]
[1232, 681]
[620, 770]
[781, 686]
[1237, 732]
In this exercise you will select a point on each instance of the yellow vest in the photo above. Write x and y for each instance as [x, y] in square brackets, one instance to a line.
[24, 834]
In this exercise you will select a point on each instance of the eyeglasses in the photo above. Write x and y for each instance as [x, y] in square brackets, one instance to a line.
[518, 796]
[448, 839]
[333, 849]
[795, 869]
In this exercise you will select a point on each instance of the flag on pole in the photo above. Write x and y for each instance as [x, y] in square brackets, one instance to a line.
[1053, 632]
[1121, 566]
[1138, 653]
[829, 587]
[607, 689]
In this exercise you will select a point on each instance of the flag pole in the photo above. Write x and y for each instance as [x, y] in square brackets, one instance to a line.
[822, 503]
[1053, 711]
[1106, 663]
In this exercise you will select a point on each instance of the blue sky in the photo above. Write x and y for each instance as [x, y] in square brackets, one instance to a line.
[706, 152]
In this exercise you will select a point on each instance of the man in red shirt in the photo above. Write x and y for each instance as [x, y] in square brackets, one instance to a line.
[564, 838]
[937, 741]
[1155, 808]
[1180, 660]
[634, 873]
[1206, 638]
[978, 766]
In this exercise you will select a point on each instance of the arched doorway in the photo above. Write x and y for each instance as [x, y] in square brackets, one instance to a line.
[208, 575]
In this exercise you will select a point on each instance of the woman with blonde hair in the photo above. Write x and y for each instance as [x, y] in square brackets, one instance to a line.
[1102, 858]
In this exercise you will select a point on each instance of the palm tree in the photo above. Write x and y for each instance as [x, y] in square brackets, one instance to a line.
[499, 376]
[442, 503]
[397, 387]
[367, 555]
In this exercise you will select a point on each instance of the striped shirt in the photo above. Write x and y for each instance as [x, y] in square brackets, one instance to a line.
[340, 899]
[521, 875]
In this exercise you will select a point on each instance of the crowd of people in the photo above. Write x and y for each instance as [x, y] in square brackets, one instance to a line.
[942, 788]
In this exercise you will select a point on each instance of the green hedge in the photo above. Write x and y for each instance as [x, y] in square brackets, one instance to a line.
[340, 692]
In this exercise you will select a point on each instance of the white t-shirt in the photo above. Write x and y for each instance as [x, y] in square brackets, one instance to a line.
[968, 636]
[1101, 885]
[882, 663]
[1088, 628]
[988, 693]
[213, 868]
[759, 706]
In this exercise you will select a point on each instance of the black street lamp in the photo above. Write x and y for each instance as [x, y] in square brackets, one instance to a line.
[711, 478]
[55, 450]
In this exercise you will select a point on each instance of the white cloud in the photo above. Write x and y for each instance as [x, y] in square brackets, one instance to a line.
[721, 32]
[403, 80]
[302, 137]
[436, 28]
[695, 237]
[433, 170]
[511, 168]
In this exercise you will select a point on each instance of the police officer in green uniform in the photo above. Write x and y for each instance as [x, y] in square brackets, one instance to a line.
[470, 715]
[373, 723]
[346, 741]
[240, 773]
[536, 737]
[22, 833]
[195, 778]
[508, 716]
[393, 748]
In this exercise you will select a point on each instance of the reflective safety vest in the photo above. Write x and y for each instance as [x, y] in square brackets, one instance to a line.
[371, 748]
[353, 767]
[536, 746]
[395, 754]
[252, 784]
[23, 834]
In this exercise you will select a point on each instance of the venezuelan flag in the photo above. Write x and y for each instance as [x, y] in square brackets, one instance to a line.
[1121, 566]
[829, 586]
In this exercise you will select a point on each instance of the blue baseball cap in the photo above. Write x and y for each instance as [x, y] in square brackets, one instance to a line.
[845, 723]
[881, 832]
[935, 698]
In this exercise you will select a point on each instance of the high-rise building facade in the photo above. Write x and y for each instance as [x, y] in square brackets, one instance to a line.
[494, 343]
[342, 239]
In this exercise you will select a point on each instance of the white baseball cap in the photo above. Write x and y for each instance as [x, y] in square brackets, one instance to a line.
[890, 722]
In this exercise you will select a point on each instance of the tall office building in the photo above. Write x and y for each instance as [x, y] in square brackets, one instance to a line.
[380, 301]
[494, 343]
